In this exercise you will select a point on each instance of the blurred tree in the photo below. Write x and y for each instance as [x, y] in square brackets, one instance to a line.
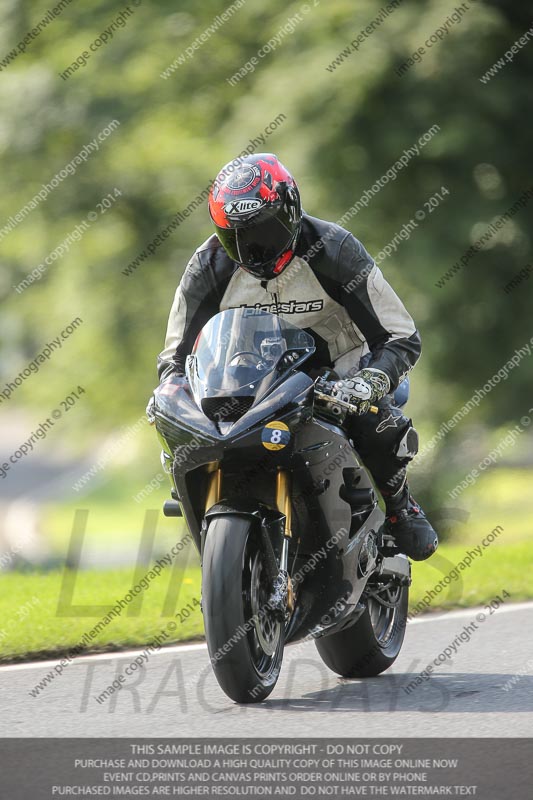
[344, 128]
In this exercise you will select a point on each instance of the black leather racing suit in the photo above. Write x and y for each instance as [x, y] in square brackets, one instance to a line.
[333, 289]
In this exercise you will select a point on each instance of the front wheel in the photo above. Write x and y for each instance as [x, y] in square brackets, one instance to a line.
[373, 643]
[244, 640]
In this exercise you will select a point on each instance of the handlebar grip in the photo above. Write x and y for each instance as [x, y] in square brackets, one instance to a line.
[341, 404]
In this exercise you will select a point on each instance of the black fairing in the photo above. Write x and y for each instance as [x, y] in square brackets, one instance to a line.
[329, 535]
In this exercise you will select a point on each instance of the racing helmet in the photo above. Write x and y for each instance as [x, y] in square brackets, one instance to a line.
[256, 209]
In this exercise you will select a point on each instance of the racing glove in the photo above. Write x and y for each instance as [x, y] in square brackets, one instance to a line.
[363, 390]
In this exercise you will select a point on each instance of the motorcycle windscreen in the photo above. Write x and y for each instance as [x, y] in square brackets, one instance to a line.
[244, 351]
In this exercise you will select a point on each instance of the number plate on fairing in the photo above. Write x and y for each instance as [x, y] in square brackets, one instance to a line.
[275, 435]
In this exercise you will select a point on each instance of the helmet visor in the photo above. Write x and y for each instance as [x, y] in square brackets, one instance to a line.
[259, 244]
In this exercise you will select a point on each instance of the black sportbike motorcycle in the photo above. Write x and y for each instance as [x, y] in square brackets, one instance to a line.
[282, 512]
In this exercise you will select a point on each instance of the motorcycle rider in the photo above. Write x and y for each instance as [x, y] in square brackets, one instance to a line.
[268, 254]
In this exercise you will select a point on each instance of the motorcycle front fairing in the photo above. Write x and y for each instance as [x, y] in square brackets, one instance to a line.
[254, 357]
[241, 374]
[191, 442]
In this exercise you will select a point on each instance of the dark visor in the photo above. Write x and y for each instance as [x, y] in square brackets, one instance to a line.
[258, 244]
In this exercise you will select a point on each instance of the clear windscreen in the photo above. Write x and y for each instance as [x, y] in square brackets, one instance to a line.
[240, 348]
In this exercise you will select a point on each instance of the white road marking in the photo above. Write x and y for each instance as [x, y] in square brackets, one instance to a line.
[186, 648]
[470, 612]
[111, 656]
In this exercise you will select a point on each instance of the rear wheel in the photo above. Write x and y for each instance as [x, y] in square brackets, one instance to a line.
[244, 640]
[373, 643]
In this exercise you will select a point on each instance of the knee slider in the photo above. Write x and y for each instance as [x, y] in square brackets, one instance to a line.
[407, 446]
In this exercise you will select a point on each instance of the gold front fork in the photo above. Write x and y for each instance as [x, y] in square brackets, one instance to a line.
[214, 485]
[283, 498]
[283, 502]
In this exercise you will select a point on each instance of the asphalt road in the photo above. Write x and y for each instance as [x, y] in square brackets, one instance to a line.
[176, 694]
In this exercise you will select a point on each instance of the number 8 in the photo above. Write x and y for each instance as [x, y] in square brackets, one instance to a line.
[276, 436]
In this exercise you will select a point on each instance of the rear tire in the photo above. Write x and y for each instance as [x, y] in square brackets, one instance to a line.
[373, 643]
[246, 652]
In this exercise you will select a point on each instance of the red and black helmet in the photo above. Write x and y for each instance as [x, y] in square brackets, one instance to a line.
[255, 205]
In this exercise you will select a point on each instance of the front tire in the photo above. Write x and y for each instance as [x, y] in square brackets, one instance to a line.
[373, 643]
[245, 642]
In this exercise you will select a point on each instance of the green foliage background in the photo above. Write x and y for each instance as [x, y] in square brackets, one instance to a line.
[344, 129]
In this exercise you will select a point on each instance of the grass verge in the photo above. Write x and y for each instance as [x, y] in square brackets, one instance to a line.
[31, 628]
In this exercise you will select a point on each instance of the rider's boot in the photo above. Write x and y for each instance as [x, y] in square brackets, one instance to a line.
[409, 527]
